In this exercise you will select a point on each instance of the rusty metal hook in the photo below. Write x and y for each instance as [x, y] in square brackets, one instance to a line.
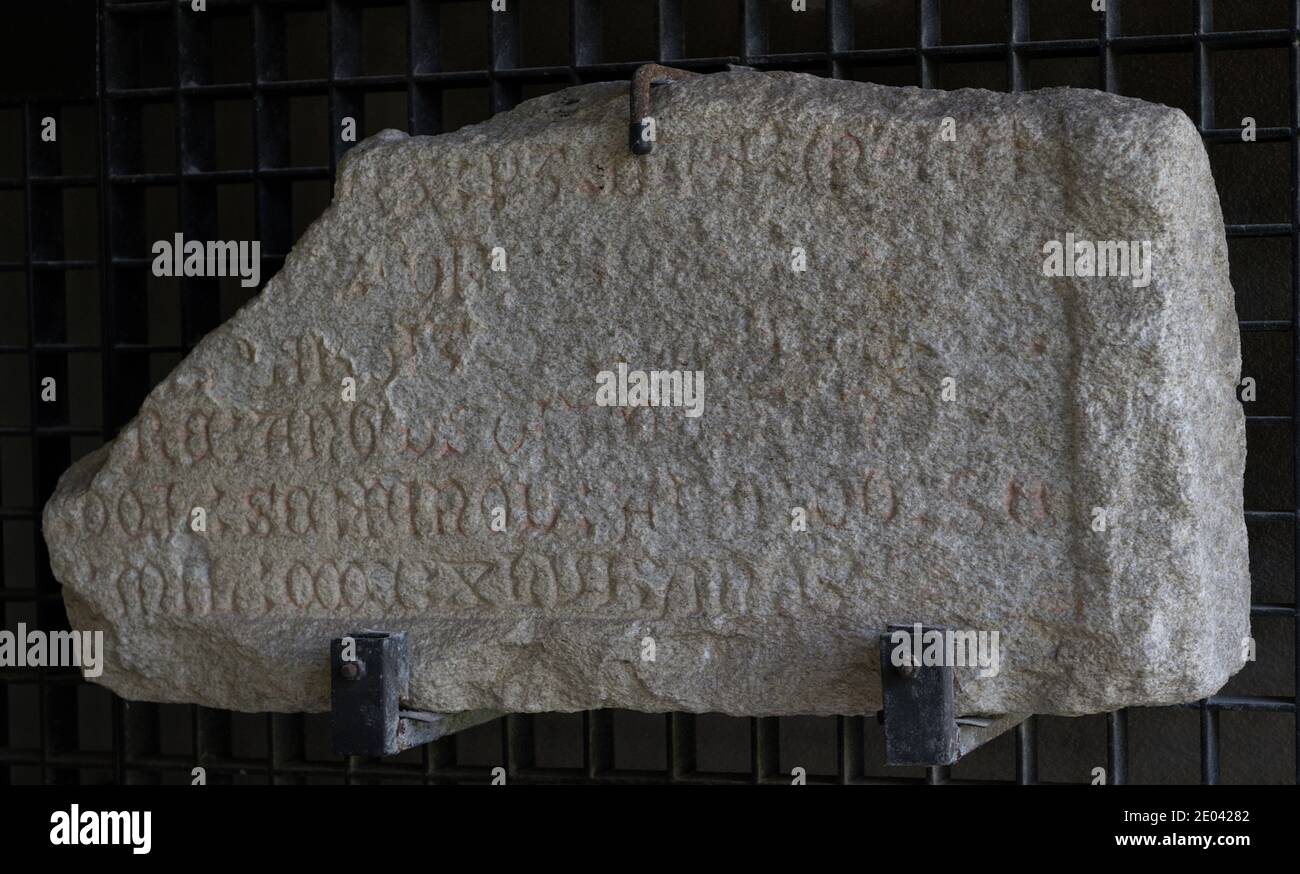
[638, 129]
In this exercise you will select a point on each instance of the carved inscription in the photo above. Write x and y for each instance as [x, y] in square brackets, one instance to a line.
[395, 506]
[581, 584]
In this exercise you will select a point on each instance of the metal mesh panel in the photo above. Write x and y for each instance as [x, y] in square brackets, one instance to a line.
[256, 92]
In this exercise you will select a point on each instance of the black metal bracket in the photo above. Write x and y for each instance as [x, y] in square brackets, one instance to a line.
[918, 705]
[366, 692]
[645, 76]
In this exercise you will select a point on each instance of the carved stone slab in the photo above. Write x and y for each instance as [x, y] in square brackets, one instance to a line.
[968, 439]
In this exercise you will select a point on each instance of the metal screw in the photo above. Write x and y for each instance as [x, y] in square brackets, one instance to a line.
[907, 671]
[350, 671]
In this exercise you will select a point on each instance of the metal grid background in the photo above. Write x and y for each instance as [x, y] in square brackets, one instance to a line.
[255, 90]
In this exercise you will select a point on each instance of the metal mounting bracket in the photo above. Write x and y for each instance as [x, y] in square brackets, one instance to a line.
[366, 693]
[918, 708]
[918, 705]
[645, 76]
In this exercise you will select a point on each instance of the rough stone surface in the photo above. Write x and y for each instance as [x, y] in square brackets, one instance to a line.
[476, 389]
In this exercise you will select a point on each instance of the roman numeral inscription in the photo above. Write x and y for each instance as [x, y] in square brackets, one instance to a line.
[848, 394]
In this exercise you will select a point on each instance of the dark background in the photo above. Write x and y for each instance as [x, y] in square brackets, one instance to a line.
[47, 49]
[219, 124]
